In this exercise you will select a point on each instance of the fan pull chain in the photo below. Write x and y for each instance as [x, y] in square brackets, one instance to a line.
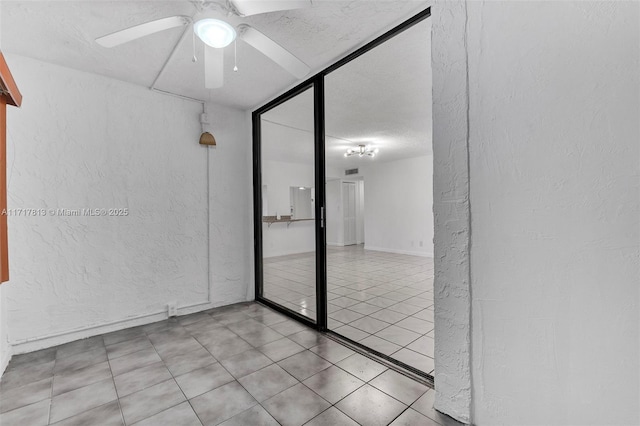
[193, 43]
[235, 55]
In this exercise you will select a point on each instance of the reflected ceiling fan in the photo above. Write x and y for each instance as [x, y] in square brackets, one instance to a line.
[218, 34]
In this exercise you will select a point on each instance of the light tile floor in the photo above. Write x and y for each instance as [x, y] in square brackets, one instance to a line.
[237, 365]
[382, 300]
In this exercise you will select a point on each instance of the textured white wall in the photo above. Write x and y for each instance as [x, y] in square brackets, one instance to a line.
[231, 206]
[554, 155]
[398, 206]
[82, 140]
[451, 211]
[554, 100]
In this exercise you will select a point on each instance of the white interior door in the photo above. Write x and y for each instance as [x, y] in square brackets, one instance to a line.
[349, 212]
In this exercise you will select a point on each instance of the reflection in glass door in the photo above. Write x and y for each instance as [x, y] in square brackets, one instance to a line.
[349, 212]
[379, 174]
[288, 197]
[343, 173]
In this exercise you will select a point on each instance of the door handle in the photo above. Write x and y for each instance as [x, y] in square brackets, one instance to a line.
[322, 217]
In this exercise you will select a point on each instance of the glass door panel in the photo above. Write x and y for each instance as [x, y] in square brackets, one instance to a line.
[287, 149]
[378, 166]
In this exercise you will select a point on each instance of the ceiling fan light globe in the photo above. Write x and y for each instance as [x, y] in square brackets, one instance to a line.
[214, 32]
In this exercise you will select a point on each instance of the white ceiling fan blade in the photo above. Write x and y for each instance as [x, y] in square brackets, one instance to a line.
[274, 51]
[253, 7]
[148, 28]
[213, 67]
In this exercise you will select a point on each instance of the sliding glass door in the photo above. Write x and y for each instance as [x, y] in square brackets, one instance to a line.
[343, 199]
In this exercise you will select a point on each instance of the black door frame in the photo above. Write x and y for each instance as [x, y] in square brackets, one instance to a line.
[317, 83]
[257, 203]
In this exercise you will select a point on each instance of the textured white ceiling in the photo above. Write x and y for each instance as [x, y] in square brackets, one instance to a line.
[63, 32]
[383, 98]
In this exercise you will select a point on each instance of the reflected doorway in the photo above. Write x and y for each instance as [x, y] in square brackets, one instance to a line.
[349, 212]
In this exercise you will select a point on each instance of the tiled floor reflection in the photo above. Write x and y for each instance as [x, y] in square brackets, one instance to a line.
[238, 365]
[290, 281]
[382, 300]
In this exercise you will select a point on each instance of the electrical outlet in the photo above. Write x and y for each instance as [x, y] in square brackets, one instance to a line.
[421, 243]
[172, 309]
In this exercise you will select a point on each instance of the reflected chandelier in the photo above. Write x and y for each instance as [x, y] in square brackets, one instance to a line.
[361, 151]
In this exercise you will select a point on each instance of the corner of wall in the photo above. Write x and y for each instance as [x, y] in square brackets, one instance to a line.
[5, 349]
[172, 129]
[451, 211]
[230, 206]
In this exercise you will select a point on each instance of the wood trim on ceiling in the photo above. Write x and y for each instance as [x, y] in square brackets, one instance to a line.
[8, 87]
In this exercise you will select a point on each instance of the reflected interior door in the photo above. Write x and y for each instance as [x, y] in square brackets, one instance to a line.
[349, 210]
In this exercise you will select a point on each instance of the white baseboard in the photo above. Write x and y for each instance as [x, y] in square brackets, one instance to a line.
[334, 244]
[409, 252]
[286, 253]
[43, 342]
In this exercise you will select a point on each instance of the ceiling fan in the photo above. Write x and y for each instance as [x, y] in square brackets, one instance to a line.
[217, 33]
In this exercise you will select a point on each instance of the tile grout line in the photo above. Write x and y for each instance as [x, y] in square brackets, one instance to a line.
[253, 317]
[113, 378]
[174, 379]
